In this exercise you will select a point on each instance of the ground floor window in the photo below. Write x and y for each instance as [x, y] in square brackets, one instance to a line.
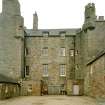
[30, 88]
[6, 89]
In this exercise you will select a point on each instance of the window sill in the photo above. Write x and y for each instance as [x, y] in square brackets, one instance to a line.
[62, 75]
[45, 76]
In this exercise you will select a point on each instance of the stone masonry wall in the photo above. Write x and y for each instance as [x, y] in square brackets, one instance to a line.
[11, 40]
[8, 90]
[35, 59]
[95, 78]
[92, 44]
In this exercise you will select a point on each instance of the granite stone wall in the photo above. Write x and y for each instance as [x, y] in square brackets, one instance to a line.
[35, 59]
[95, 78]
[11, 40]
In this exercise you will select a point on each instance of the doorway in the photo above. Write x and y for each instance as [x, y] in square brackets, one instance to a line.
[76, 90]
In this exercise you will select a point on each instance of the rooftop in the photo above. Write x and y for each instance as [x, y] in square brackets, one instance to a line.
[52, 32]
[97, 56]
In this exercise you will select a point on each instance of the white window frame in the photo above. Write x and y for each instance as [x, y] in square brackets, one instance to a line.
[72, 52]
[45, 34]
[91, 69]
[26, 51]
[62, 51]
[62, 34]
[45, 70]
[45, 51]
[62, 70]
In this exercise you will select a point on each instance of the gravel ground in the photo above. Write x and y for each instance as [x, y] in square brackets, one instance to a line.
[50, 100]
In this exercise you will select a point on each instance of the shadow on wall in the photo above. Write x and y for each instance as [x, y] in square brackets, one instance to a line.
[8, 87]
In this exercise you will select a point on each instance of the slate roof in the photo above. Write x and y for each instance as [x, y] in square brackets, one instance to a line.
[98, 55]
[52, 32]
[4, 79]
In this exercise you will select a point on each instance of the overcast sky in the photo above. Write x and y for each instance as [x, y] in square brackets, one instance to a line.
[58, 13]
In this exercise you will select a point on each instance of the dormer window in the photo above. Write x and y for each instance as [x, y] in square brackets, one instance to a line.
[62, 34]
[45, 34]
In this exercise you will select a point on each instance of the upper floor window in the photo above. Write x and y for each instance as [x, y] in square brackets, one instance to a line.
[45, 70]
[71, 52]
[45, 51]
[62, 70]
[62, 51]
[27, 71]
[26, 51]
[91, 69]
[76, 52]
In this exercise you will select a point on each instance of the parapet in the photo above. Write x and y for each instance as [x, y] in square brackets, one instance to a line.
[101, 18]
[90, 5]
[90, 11]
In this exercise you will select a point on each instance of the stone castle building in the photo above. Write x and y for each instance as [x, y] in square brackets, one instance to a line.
[51, 61]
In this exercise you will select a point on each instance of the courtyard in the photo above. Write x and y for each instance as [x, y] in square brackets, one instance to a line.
[50, 100]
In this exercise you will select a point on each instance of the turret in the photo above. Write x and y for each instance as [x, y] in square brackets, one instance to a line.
[11, 40]
[10, 7]
[90, 16]
[35, 21]
[90, 12]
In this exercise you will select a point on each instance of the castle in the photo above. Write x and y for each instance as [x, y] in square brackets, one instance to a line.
[51, 61]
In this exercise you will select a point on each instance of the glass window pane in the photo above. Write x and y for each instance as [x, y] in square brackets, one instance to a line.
[27, 71]
[71, 52]
[45, 51]
[62, 70]
[62, 51]
[45, 70]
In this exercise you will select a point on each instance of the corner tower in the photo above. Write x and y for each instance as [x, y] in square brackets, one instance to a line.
[10, 7]
[90, 16]
[11, 39]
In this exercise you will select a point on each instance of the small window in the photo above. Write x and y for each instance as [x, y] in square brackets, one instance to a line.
[45, 70]
[76, 67]
[26, 51]
[45, 34]
[62, 70]
[30, 88]
[45, 51]
[62, 34]
[76, 53]
[27, 71]
[71, 52]
[6, 89]
[62, 51]
[91, 69]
